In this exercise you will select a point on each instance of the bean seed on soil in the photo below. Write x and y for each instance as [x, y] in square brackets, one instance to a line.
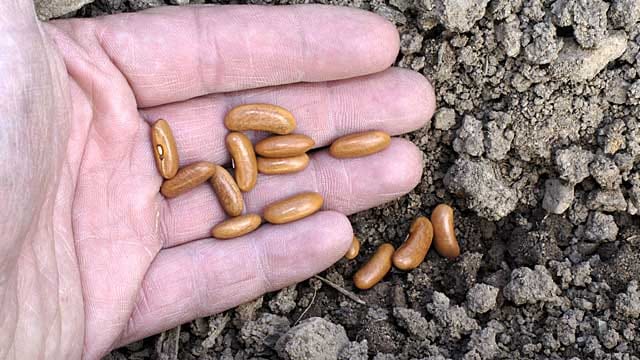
[353, 250]
[375, 269]
[444, 231]
[413, 251]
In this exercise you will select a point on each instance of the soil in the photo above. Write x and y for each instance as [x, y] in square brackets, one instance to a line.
[536, 144]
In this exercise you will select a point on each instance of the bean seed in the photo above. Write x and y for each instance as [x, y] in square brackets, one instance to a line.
[293, 208]
[353, 250]
[286, 165]
[284, 146]
[261, 117]
[236, 226]
[444, 231]
[375, 269]
[188, 178]
[413, 251]
[360, 144]
[246, 167]
[227, 191]
[165, 150]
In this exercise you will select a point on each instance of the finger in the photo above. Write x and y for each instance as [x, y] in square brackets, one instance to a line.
[170, 55]
[396, 101]
[347, 185]
[209, 276]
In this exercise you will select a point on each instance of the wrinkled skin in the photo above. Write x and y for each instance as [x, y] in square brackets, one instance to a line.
[92, 256]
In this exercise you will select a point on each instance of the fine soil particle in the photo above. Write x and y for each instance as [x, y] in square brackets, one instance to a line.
[536, 145]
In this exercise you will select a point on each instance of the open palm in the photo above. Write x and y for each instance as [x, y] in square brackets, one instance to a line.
[94, 257]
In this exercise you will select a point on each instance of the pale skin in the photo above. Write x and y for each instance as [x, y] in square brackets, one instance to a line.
[92, 257]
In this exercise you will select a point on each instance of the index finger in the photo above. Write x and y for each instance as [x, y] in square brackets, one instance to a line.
[169, 55]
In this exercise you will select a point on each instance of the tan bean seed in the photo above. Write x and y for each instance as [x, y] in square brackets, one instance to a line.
[246, 167]
[444, 231]
[227, 191]
[413, 251]
[360, 144]
[236, 226]
[293, 208]
[164, 149]
[284, 146]
[353, 250]
[287, 165]
[188, 178]
[375, 269]
[261, 117]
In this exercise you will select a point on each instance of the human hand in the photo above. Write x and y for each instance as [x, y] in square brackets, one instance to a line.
[93, 256]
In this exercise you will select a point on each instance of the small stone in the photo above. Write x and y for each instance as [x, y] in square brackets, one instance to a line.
[628, 303]
[624, 13]
[411, 42]
[579, 64]
[498, 135]
[610, 338]
[285, 301]
[314, 338]
[605, 172]
[601, 228]
[561, 12]
[263, 333]
[544, 46]
[483, 343]
[393, 15]
[508, 34]
[616, 91]
[444, 119]
[606, 200]
[558, 196]
[633, 93]
[402, 5]
[573, 164]
[482, 298]
[501, 9]
[417, 326]
[247, 311]
[480, 183]
[453, 319]
[355, 351]
[567, 326]
[590, 22]
[533, 10]
[460, 15]
[611, 137]
[581, 274]
[426, 20]
[469, 138]
[530, 286]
